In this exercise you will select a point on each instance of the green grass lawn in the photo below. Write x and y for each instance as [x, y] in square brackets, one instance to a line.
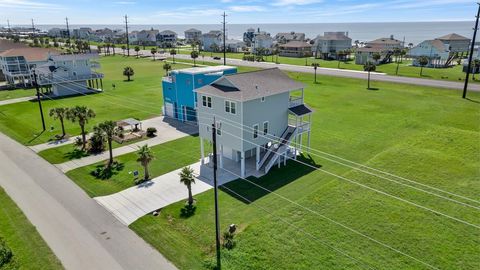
[28, 248]
[17, 93]
[69, 152]
[166, 160]
[425, 134]
[140, 98]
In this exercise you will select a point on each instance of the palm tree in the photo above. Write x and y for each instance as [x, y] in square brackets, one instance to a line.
[186, 177]
[99, 48]
[397, 53]
[194, 55]
[59, 113]
[340, 55]
[110, 129]
[173, 52]
[167, 67]
[376, 57]
[81, 114]
[137, 49]
[153, 51]
[315, 66]
[356, 43]
[410, 45]
[123, 49]
[476, 66]
[128, 71]
[145, 155]
[113, 49]
[369, 66]
[422, 61]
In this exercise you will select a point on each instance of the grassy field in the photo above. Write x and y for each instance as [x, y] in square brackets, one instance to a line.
[28, 248]
[122, 179]
[17, 93]
[425, 134]
[140, 98]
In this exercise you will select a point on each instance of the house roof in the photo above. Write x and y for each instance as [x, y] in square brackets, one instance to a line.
[300, 110]
[204, 70]
[437, 44]
[385, 41]
[6, 44]
[167, 32]
[296, 44]
[453, 36]
[290, 36]
[192, 30]
[334, 36]
[70, 57]
[371, 49]
[251, 85]
[31, 54]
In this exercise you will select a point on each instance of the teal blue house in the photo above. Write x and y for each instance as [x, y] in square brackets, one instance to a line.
[179, 98]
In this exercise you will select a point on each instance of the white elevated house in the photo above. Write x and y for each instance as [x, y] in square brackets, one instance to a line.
[262, 40]
[328, 45]
[167, 38]
[70, 74]
[435, 50]
[192, 35]
[260, 118]
[211, 40]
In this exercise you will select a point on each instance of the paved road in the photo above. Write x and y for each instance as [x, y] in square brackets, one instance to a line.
[15, 100]
[168, 130]
[80, 232]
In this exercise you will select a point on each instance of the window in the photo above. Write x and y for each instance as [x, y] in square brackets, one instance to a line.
[262, 99]
[255, 131]
[219, 128]
[230, 107]
[265, 128]
[207, 101]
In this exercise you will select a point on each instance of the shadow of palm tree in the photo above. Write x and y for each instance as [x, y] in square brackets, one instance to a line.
[104, 172]
[188, 211]
[76, 154]
[275, 179]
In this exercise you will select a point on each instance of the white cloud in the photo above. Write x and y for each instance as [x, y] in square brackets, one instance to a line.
[295, 2]
[125, 2]
[26, 4]
[246, 8]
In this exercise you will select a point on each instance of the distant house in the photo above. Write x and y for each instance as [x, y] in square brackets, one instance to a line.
[387, 44]
[233, 45]
[328, 45]
[283, 38]
[58, 32]
[133, 37]
[437, 52]
[147, 37]
[70, 74]
[264, 41]
[104, 35]
[365, 54]
[211, 40]
[248, 36]
[83, 33]
[178, 89]
[167, 38]
[192, 35]
[17, 63]
[455, 43]
[295, 49]
[257, 120]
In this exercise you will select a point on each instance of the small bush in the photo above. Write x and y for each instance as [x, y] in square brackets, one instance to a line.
[97, 142]
[78, 142]
[228, 241]
[151, 132]
[6, 254]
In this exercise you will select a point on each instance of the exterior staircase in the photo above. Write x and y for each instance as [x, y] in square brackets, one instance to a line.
[274, 153]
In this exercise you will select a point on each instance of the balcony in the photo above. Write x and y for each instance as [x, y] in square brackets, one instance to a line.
[50, 79]
[295, 101]
[167, 79]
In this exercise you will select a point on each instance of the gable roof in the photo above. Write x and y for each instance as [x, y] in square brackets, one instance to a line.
[31, 54]
[192, 30]
[296, 44]
[437, 44]
[251, 85]
[334, 36]
[385, 41]
[6, 44]
[453, 36]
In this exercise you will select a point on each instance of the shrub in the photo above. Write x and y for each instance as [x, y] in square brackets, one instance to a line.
[5, 253]
[151, 132]
[78, 142]
[97, 141]
[228, 241]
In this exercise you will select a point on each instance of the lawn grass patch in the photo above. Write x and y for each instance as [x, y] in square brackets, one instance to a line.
[16, 93]
[29, 249]
[167, 159]
[426, 134]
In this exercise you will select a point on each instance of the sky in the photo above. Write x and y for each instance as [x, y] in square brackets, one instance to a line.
[239, 12]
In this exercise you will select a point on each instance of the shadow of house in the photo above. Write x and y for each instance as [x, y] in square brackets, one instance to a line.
[274, 180]
[189, 128]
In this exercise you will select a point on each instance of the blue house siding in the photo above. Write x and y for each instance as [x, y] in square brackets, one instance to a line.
[179, 99]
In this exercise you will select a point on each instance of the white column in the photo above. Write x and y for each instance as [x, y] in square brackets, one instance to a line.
[285, 159]
[221, 156]
[279, 160]
[257, 158]
[202, 154]
[242, 164]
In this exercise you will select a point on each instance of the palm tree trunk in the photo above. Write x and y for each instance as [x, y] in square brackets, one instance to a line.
[190, 196]
[421, 71]
[368, 80]
[173, 56]
[63, 127]
[315, 75]
[147, 175]
[84, 139]
[110, 162]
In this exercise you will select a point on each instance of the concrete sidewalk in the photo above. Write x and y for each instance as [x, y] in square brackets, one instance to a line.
[166, 132]
[16, 100]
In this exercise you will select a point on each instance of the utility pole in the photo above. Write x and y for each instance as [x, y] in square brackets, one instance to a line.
[126, 31]
[215, 188]
[38, 99]
[8, 25]
[68, 29]
[224, 38]
[33, 28]
[470, 56]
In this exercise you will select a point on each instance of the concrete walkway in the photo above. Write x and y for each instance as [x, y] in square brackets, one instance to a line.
[168, 130]
[81, 233]
[16, 100]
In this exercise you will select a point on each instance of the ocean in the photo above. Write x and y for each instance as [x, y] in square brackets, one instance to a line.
[413, 32]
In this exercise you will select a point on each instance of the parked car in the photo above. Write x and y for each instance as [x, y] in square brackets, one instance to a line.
[217, 58]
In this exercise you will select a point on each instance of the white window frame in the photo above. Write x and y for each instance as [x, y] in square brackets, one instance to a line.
[255, 131]
[230, 107]
[262, 99]
[219, 128]
[205, 101]
[268, 126]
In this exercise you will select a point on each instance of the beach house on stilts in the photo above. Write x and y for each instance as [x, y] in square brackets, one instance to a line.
[261, 119]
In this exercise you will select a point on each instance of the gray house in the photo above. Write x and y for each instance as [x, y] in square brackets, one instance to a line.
[259, 123]
[192, 35]
[283, 38]
[166, 38]
[328, 45]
